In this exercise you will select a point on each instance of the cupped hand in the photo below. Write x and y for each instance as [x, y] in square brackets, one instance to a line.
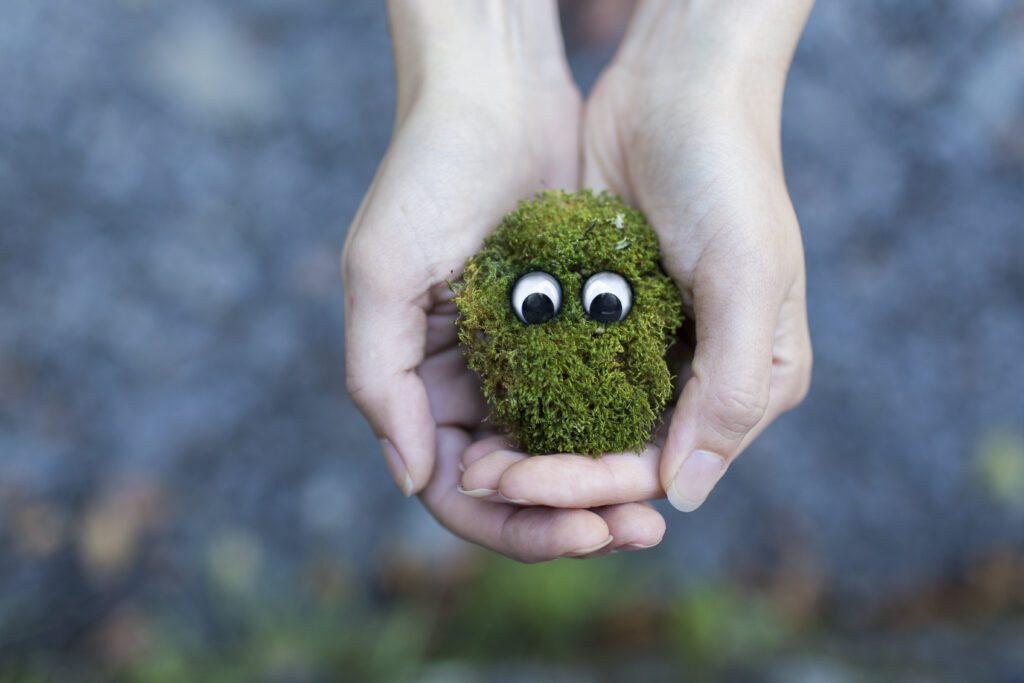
[694, 143]
[470, 140]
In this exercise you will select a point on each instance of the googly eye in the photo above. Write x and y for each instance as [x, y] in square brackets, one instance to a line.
[536, 297]
[607, 297]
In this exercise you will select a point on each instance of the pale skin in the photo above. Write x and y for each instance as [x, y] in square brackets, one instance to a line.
[684, 123]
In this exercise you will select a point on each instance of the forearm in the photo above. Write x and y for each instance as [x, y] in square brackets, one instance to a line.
[458, 44]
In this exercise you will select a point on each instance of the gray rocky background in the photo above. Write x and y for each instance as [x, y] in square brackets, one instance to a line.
[175, 184]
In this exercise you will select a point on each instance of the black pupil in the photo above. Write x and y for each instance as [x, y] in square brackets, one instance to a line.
[538, 308]
[606, 308]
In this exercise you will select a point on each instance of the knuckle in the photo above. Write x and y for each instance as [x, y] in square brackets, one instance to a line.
[361, 389]
[803, 386]
[365, 276]
[736, 409]
[351, 251]
[793, 393]
[362, 259]
[798, 384]
[359, 264]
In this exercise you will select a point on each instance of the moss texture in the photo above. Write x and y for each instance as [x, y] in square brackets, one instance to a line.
[571, 384]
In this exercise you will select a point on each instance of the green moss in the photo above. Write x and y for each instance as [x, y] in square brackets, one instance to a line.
[571, 384]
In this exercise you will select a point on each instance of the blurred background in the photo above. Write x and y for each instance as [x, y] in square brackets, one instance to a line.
[187, 494]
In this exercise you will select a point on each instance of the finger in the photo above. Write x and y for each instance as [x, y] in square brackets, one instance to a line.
[793, 361]
[441, 330]
[635, 526]
[384, 341]
[453, 389]
[524, 534]
[481, 479]
[483, 447]
[567, 480]
[728, 392]
[791, 370]
[603, 163]
[537, 534]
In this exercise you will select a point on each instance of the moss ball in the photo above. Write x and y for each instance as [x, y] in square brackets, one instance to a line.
[557, 378]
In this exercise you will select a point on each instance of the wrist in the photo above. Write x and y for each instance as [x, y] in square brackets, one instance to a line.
[450, 46]
[743, 45]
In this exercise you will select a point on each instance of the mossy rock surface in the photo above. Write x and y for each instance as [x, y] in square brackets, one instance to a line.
[571, 384]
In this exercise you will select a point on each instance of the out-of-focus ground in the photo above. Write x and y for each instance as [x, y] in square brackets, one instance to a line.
[186, 493]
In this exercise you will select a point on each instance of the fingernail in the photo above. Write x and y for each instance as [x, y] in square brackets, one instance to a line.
[698, 475]
[477, 493]
[515, 501]
[638, 546]
[592, 549]
[396, 464]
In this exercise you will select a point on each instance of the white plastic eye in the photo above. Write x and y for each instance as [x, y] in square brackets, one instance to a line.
[607, 297]
[536, 297]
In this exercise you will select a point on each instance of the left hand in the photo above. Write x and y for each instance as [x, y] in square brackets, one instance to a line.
[690, 135]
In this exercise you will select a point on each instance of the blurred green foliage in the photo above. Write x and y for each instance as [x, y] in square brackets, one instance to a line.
[470, 614]
[551, 609]
[999, 459]
[290, 645]
[715, 625]
[323, 628]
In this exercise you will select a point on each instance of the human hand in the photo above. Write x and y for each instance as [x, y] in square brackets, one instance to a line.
[688, 131]
[472, 136]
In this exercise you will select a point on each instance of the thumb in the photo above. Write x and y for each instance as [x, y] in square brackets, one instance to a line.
[385, 334]
[727, 395]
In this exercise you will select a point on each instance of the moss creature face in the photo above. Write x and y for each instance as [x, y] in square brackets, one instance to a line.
[566, 315]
